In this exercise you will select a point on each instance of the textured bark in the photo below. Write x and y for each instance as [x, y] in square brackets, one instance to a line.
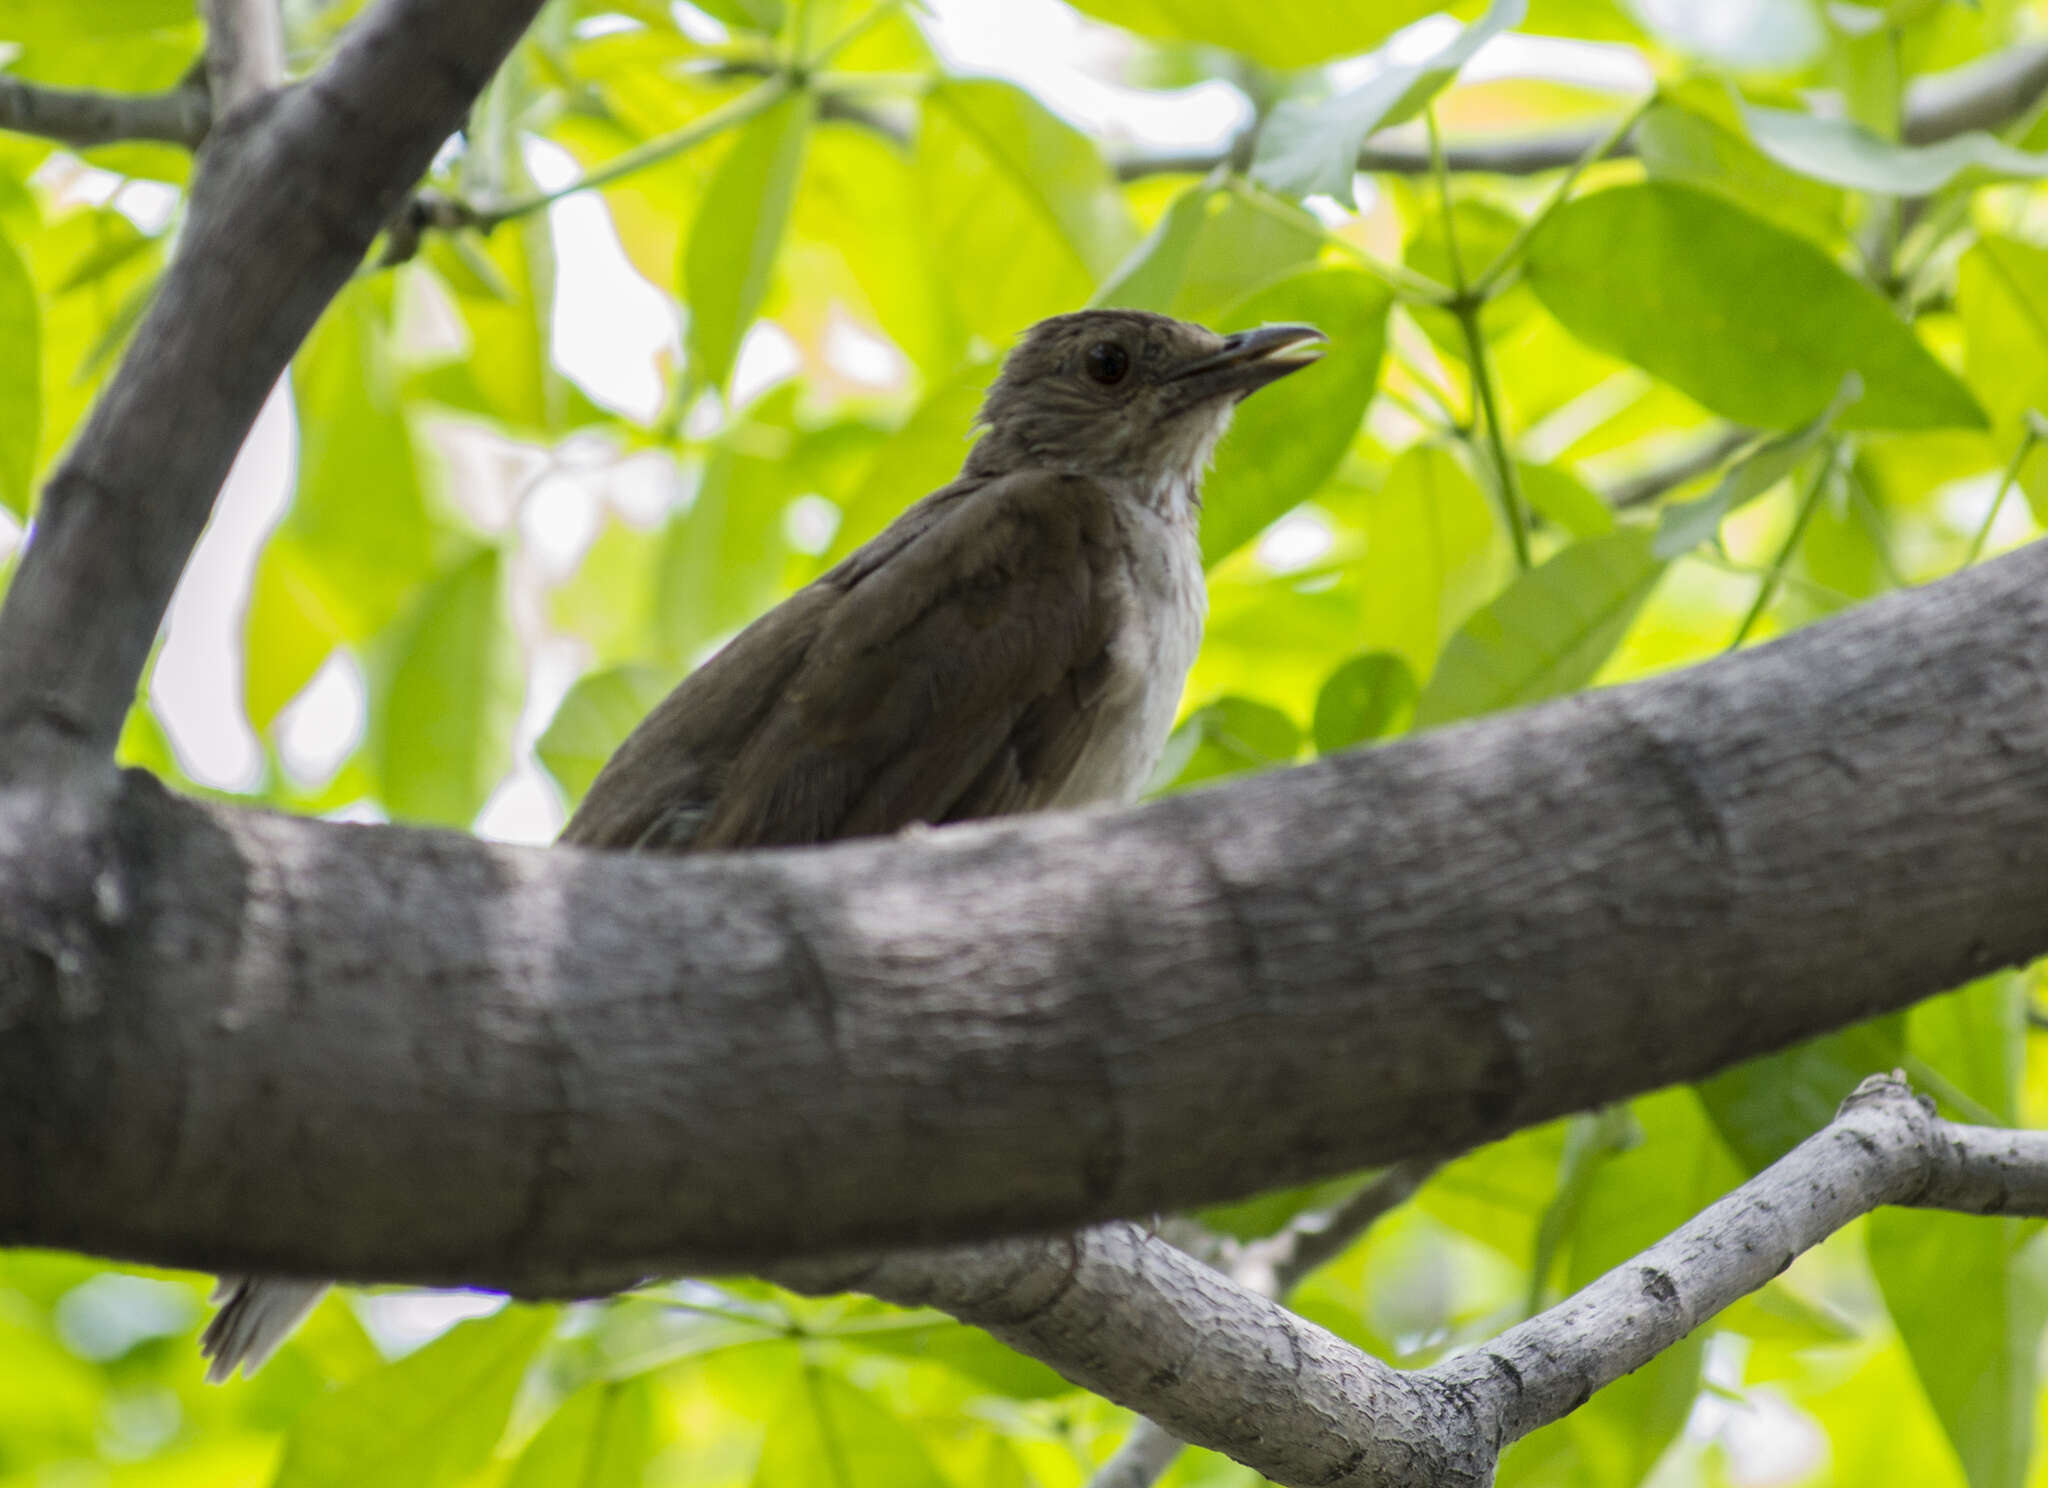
[82, 117]
[1126, 1315]
[385, 1054]
[291, 187]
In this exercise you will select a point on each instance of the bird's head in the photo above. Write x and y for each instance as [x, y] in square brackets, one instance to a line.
[1126, 395]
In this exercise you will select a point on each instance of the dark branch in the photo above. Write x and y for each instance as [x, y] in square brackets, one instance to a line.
[294, 1033]
[82, 118]
[1984, 95]
[287, 196]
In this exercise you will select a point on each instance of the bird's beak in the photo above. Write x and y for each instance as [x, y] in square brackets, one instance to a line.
[1247, 361]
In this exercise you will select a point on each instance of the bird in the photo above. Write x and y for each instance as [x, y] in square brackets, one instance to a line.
[1017, 640]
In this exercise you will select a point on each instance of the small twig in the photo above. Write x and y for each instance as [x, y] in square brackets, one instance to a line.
[1688, 465]
[82, 117]
[429, 209]
[2029, 437]
[1809, 499]
[1605, 146]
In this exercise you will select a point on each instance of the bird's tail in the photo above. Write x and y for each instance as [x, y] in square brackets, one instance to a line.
[258, 1315]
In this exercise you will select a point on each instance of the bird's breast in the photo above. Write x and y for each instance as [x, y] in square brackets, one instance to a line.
[1161, 603]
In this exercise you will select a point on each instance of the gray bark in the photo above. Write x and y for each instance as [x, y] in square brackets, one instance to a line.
[82, 117]
[603, 1067]
[235, 1040]
[1125, 1314]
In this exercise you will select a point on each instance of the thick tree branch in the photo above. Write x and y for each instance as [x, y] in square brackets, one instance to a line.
[293, 1048]
[1122, 1313]
[289, 191]
[1271, 1267]
[244, 50]
[1984, 95]
[81, 117]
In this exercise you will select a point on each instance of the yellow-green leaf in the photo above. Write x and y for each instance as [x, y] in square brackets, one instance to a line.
[1279, 33]
[1548, 633]
[1287, 440]
[20, 380]
[1754, 322]
[738, 231]
[599, 1438]
[594, 719]
[448, 697]
[431, 1418]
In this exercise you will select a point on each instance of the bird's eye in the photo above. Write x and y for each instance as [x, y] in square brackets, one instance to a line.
[1107, 362]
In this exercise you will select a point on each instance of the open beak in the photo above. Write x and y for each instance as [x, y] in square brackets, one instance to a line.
[1248, 361]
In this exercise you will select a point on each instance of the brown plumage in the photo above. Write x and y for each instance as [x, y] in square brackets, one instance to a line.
[1016, 640]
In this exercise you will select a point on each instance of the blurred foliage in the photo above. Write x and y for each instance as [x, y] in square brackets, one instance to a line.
[499, 550]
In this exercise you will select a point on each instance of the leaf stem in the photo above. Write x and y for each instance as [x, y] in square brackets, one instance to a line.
[1508, 483]
[756, 100]
[1443, 189]
[1465, 306]
[2028, 440]
[1599, 150]
[1808, 500]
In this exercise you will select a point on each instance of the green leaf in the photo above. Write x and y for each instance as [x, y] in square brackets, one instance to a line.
[609, 600]
[358, 513]
[1020, 212]
[918, 458]
[599, 1438]
[1970, 1295]
[1367, 697]
[738, 231]
[288, 631]
[1434, 552]
[30, 21]
[1288, 440]
[594, 719]
[860, 201]
[1689, 148]
[2002, 295]
[1844, 153]
[1684, 525]
[447, 697]
[1150, 276]
[1227, 737]
[1975, 1039]
[764, 16]
[1756, 323]
[21, 404]
[968, 1352]
[722, 558]
[504, 289]
[428, 1419]
[828, 1432]
[1547, 634]
[1279, 33]
[1556, 495]
[1766, 1107]
[1211, 247]
[1307, 148]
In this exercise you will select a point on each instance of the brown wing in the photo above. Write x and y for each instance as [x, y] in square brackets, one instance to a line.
[946, 670]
